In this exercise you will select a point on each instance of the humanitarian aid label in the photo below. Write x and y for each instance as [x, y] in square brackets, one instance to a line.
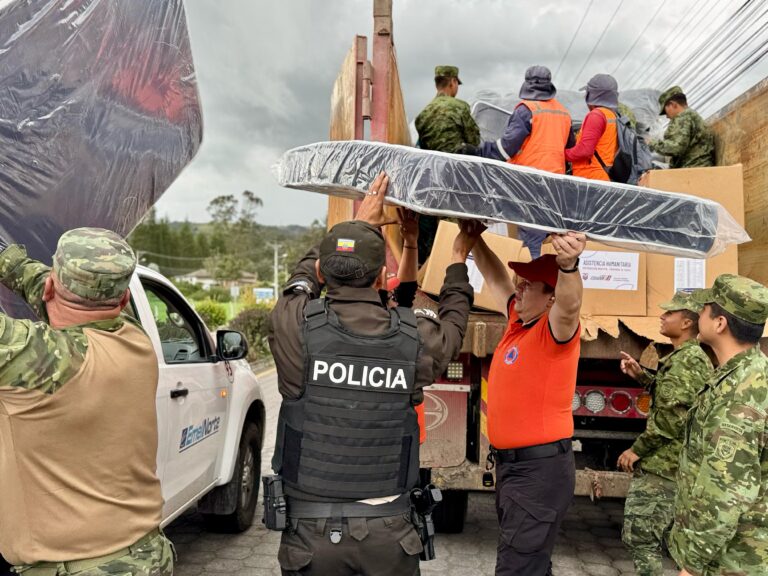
[690, 274]
[610, 270]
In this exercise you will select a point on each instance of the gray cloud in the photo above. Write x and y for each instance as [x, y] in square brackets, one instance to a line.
[266, 70]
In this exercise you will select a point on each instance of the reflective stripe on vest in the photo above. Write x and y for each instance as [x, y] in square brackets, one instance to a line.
[354, 433]
[607, 147]
[544, 148]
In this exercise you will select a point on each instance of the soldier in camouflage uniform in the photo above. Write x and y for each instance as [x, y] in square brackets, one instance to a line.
[444, 125]
[78, 433]
[721, 509]
[648, 510]
[688, 141]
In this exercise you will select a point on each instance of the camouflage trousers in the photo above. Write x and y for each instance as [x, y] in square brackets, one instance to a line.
[151, 555]
[648, 514]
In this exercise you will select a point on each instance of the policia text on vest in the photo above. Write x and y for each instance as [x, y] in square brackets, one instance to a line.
[356, 373]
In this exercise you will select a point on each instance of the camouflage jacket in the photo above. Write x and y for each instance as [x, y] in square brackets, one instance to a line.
[721, 510]
[445, 124]
[680, 377]
[35, 355]
[688, 141]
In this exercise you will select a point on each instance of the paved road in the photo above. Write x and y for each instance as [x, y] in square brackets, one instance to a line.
[589, 543]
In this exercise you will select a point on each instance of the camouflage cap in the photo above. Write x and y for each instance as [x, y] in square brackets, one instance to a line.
[742, 297]
[447, 72]
[94, 263]
[358, 241]
[666, 95]
[682, 301]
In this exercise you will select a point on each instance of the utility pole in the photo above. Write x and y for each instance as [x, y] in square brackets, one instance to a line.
[276, 248]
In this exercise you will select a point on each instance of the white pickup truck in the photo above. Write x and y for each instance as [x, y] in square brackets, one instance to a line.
[209, 409]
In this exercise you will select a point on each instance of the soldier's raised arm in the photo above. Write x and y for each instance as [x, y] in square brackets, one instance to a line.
[25, 277]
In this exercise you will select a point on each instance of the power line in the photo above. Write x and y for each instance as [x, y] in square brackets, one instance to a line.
[573, 38]
[660, 55]
[709, 45]
[684, 39]
[707, 82]
[642, 33]
[594, 48]
[725, 85]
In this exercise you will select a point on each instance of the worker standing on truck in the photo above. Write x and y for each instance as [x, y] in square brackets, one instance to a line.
[531, 384]
[78, 436]
[350, 372]
[681, 375]
[597, 141]
[537, 133]
[444, 125]
[688, 141]
[721, 525]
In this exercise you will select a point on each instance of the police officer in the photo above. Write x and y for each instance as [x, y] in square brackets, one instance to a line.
[688, 141]
[443, 125]
[350, 372]
[649, 507]
[721, 525]
[78, 437]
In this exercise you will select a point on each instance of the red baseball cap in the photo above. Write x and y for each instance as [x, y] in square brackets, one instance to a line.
[543, 269]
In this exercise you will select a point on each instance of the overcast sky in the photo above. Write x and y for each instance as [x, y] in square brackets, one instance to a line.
[266, 68]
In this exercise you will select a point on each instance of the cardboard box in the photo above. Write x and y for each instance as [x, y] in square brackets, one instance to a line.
[618, 276]
[614, 280]
[723, 184]
[505, 248]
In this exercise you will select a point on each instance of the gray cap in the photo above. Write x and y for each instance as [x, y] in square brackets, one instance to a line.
[538, 84]
[602, 90]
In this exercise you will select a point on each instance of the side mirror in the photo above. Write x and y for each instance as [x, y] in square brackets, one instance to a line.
[231, 345]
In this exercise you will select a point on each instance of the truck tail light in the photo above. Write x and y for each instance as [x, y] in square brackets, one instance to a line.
[594, 400]
[621, 401]
[455, 371]
[643, 403]
[576, 402]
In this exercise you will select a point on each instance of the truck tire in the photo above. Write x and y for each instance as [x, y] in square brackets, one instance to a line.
[450, 514]
[244, 486]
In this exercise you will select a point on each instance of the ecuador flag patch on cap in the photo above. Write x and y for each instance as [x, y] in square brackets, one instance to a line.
[345, 245]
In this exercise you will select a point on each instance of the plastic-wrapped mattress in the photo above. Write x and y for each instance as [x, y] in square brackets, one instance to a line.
[99, 112]
[470, 187]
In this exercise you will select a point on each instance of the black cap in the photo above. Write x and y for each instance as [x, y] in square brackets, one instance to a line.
[355, 240]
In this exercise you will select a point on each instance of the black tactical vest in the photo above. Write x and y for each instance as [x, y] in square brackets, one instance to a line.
[354, 433]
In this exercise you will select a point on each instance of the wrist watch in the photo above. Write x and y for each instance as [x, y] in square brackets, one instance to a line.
[570, 270]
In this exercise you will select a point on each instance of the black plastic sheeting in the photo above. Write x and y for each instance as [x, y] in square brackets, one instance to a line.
[470, 187]
[99, 113]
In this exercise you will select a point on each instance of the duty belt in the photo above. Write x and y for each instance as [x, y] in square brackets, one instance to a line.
[299, 509]
[73, 566]
[533, 452]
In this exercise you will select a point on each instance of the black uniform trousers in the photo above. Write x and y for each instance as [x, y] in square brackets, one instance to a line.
[532, 498]
[387, 546]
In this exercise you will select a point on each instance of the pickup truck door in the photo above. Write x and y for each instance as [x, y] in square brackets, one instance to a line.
[197, 387]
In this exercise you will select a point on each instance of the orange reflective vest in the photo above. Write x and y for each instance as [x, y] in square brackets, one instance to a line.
[607, 147]
[544, 148]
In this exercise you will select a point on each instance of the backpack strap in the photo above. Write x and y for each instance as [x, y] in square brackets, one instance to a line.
[601, 162]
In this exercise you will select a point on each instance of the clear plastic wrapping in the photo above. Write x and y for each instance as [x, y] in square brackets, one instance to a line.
[99, 112]
[470, 187]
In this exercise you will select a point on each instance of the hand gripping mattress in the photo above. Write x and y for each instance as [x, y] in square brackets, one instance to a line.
[450, 185]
